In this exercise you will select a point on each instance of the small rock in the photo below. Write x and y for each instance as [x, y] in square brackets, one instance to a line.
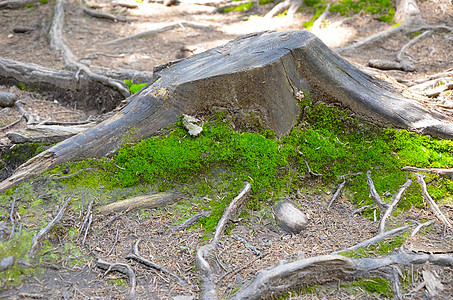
[189, 123]
[290, 217]
[7, 263]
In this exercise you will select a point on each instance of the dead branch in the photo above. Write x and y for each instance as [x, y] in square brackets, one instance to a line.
[192, 220]
[97, 14]
[420, 226]
[20, 108]
[437, 171]
[290, 5]
[400, 54]
[57, 43]
[376, 239]
[136, 256]
[230, 5]
[286, 276]
[85, 219]
[337, 193]
[122, 268]
[310, 171]
[431, 202]
[318, 22]
[391, 207]
[37, 237]
[7, 99]
[125, 4]
[374, 194]
[160, 29]
[145, 201]
[201, 258]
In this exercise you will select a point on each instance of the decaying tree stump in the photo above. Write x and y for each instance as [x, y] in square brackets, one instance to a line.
[261, 74]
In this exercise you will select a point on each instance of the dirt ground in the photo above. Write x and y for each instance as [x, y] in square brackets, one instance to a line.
[111, 239]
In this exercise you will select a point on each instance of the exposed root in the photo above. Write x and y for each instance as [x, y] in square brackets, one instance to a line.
[122, 268]
[420, 226]
[396, 199]
[201, 258]
[57, 43]
[162, 28]
[148, 201]
[329, 268]
[37, 237]
[11, 216]
[11, 4]
[135, 255]
[337, 193]
[374, 194]
[376, 239]
[431, 202]
[437, 171]
[97, 14]
[192, 220]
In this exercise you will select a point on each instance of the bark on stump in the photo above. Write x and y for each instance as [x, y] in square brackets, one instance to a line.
[261, 74]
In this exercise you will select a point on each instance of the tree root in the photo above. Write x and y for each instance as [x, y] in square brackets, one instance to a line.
[148, 201]
[57, 43]
[201, 258]
[97, 14]
[163, 28]
[192, 220]
[336, 194]
[11, 216]
[122, 268]
[431, 202]
[135, 255]
[437, 171]
[37, 237]
[12, 4]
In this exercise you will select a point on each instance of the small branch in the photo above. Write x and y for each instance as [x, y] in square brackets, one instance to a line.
[136, 256]
[11, 124]
[11, 4]
[310, 171]
[87, 228]
[419, 226]
[440, 172]
[317, 23]
[391, 207]
[376, 239]
[37, 237]
[431, 202]
[203, 252]
[374, 194]
[122, 268]
[337, 193]
[192, 220]
[85, 219]
[20, 108]
[161, 29]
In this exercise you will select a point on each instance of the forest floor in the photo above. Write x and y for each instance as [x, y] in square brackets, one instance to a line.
[328, 230]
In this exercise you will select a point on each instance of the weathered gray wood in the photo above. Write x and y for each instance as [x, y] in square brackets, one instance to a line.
[259, 74]
[45, 133]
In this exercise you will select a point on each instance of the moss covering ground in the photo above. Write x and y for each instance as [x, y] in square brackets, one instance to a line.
[329, 140]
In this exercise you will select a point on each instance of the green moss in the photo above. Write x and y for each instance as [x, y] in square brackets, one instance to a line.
[376, 285]
[134, 88]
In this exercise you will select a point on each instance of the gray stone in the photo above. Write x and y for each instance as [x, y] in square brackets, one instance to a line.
[290, 217]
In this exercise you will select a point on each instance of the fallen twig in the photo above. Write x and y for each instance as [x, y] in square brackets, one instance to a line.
[337, 193]
[19, 106]
[144, 201]
[310, 171]
[122, 268]
[192, 220]
[11, 124]
[85, 219]
[37, 237]
[136, 256]
[203, 252]
[431, 202]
